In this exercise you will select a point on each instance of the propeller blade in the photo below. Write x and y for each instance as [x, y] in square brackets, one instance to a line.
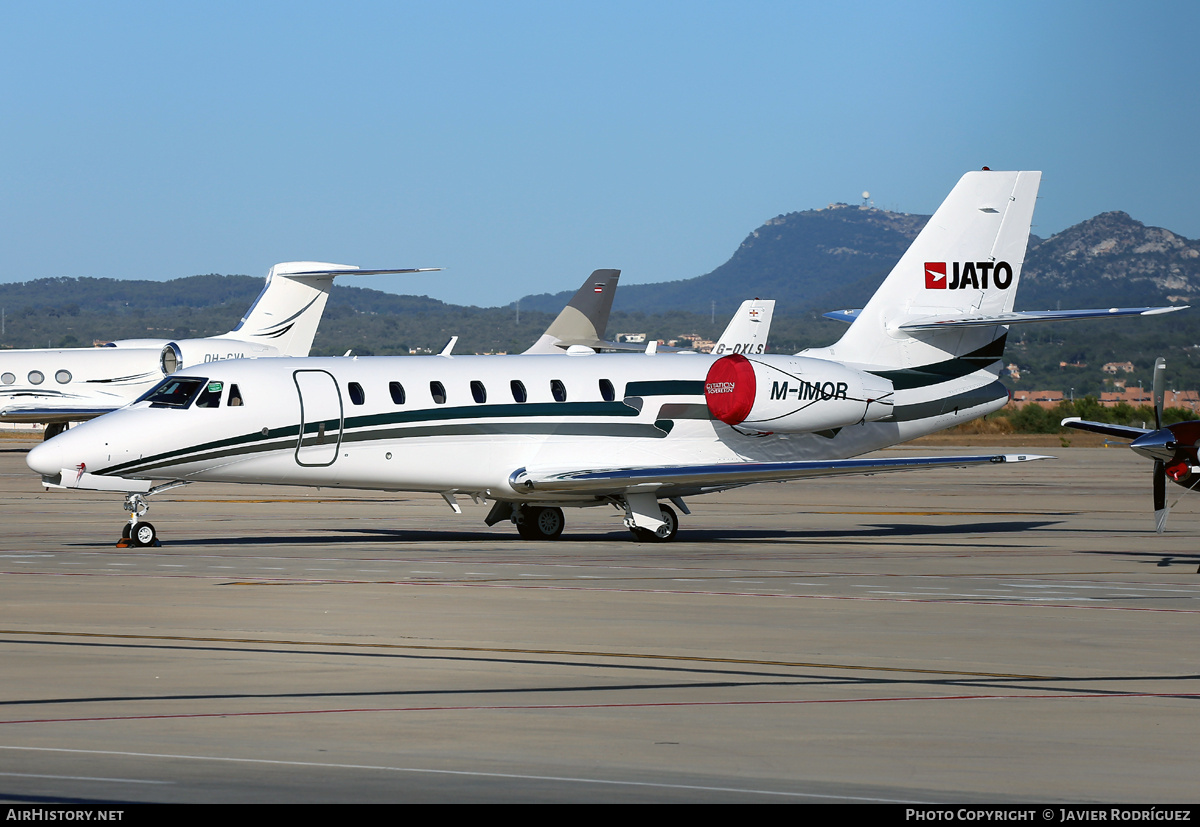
[1160, 367]
[1161, 509]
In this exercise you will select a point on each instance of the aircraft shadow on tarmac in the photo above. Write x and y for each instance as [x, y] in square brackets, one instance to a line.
[1156, 558]
[685, 536]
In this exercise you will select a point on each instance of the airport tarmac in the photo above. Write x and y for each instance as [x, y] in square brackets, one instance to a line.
[988, 635]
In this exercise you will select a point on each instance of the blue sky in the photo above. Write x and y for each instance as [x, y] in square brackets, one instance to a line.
[520, 145]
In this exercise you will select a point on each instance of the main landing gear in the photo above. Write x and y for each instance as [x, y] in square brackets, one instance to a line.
[665, 533]
[645, 517]
[539, 523]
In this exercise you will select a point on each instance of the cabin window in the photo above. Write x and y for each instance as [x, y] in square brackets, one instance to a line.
[210, 396]
[8, 378]
[356, 393]
[176, 392]
[235, 396]
[478, 391]
[438, 392]
[606, 391]
[558, 390]
[518, 390]
[36, 377]
[62, 377]
[397, 392]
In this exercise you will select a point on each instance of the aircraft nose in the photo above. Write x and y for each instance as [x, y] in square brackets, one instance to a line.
[47, 458]
[1158, 444]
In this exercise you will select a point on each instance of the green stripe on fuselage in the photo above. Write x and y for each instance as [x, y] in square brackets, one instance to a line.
[666, 387]
[468, 424]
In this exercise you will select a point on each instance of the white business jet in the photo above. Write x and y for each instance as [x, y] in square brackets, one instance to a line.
[532, 434]
[56, 387]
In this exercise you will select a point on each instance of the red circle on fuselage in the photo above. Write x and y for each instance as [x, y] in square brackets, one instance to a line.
[729, 388]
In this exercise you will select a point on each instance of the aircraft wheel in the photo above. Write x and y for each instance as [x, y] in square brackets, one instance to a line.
[665, 532]
[125, 532]
[143, 535]
[541, 523]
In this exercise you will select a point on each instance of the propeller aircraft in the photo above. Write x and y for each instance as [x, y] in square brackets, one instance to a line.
[1172, 448]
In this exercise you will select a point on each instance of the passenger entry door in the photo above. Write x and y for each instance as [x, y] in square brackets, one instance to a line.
[320, 418]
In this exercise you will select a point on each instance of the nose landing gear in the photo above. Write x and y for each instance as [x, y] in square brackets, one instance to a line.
[135, 532]
[138, 534]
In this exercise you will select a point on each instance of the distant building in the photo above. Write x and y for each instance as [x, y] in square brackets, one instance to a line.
[1140, 396]
[1112, 368]
[1130, 396]
[1135, 397]
[1182, 399]
[1045, 399]
[632, 338]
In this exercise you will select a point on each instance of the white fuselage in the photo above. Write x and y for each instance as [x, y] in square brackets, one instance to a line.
[71, 381]
[101, 377]
[342, 422]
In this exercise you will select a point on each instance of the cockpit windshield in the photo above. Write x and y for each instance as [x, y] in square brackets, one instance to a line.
[174, 392]
[210, 397]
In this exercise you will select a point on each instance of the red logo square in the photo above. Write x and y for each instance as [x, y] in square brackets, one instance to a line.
[935, 275]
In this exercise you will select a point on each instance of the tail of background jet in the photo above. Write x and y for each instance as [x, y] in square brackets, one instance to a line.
[584, 319]
[932, 316]
[287, 311]
[748, 329]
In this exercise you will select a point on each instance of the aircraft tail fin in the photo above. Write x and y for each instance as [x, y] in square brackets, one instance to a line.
[748, 329]
[287, 311]
[967, 260]
[584, 319]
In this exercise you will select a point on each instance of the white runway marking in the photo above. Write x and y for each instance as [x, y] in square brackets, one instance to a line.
[82, 778]
[421, 770]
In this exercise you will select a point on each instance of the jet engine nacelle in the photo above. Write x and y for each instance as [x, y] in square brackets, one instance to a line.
[188, 353]
[793, 394]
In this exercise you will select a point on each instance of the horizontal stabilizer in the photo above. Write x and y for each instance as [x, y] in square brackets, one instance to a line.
[356, 271]
[1028, 317]
[286, 313]
[730, 474]
[1016, 317]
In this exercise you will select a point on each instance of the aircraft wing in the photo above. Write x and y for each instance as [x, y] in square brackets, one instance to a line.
[1108, 429]
[731, 474]
[48, 415]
